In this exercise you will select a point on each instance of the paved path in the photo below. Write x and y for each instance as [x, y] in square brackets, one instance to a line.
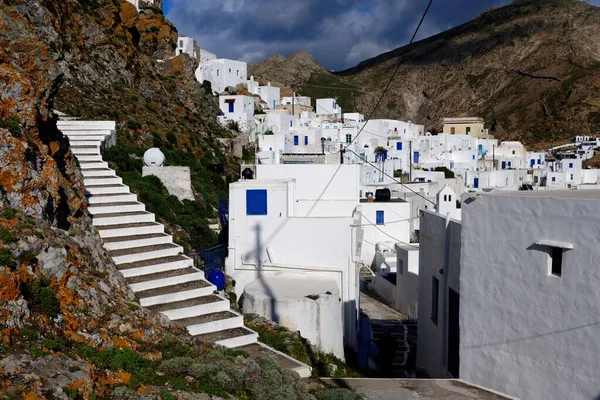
[401, 389]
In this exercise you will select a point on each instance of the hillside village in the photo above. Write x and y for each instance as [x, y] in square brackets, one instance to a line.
[406, 253]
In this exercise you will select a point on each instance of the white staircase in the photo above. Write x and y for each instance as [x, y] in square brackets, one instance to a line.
[163, 279]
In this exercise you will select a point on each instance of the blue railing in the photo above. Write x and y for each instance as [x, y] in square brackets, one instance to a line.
[209, 259]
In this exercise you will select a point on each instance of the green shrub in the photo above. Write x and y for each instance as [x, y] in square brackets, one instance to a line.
[448, 174]
[339, 394]
[9, 213]
[7, 236]
[14, 126]
[171, 138]
[40, 297]
[164, 395]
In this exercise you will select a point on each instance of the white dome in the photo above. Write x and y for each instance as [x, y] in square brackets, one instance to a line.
[154, 158]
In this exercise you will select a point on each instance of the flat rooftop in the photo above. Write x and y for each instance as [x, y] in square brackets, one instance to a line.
[393, 200]
[576, 194]
[404, 389]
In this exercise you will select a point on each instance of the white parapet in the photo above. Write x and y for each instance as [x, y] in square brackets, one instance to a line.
[177, 180]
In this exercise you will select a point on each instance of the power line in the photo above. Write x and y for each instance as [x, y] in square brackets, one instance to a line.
[390, 236]
[389, 176]
[395, 72]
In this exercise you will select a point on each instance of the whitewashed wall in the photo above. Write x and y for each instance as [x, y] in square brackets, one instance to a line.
[524, 332]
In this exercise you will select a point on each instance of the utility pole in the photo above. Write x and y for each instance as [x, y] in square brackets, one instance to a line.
[493, 157]
[293, 95]
[342, 151]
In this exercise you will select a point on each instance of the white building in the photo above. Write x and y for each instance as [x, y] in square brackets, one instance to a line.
[299, 219]
[238, 109]
[188, 46]
[269, 94]
[296, 100]
[529, 297]
[206, 56]
[328, 108]
[222, 73]
[146, 3]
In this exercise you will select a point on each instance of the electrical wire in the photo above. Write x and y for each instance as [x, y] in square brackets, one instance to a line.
[390, 236]
[395, 72]
[391, 177]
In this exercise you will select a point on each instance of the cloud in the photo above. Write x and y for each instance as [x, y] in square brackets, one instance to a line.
[339, 33]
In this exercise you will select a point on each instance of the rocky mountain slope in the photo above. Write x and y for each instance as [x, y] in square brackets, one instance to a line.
[531, 69]
[69, 326]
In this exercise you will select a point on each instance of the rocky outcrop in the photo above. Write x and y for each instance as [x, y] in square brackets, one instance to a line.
[294, 71]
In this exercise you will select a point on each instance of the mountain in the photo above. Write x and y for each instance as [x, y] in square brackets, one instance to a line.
[531, 69]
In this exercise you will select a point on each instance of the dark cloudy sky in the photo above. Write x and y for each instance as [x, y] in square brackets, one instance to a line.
[339, 33]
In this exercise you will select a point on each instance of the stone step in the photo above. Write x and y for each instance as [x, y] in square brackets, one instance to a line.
[149, 269]
[106, 189]
[128, 242]
[142, 228]
[192, 307]
[110, 208]
[184, 270]
[122, 218]
[102, 180]
[88, 142]
[235, 337]
[98, 172]
[89, 158]
[214, 322]
[85, 150]
[171, 281]
[175, 293]
[78, 140]
[112, 198]
[126, 256]
[92, 165]
[85, 125]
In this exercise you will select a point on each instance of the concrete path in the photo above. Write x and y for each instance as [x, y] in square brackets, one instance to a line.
[401, 389]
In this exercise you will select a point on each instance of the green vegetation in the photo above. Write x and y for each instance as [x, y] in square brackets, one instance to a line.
[448, 174]
[9, 213]
[13, 124]
[189, 215]
[292, 344]
[40, 297]
[325, 85]
[7, 236]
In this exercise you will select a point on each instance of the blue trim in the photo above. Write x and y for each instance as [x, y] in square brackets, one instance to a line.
[380, 219]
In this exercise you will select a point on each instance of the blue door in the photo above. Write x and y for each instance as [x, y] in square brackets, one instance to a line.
[398, 145]
[476, 183]
[231, 106]
[532, 163]
[306, 140]
[416, 157]
[503, 164]
[296, 140]
[379, 218]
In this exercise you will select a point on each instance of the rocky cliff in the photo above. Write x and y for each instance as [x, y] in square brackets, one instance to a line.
[70, 327]
[531, 69]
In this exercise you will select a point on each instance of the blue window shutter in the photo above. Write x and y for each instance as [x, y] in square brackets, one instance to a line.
[510, 163]
[306, 140]
[532, 163]
[399, 146]
[539, 161]
[256, 202]
[291, 123]
[476, 183]
[503, 164]
[380, 218]
[473, 156]
[296, 140]
[571, 165]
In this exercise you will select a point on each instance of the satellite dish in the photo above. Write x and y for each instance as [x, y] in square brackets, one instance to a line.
[154, 157]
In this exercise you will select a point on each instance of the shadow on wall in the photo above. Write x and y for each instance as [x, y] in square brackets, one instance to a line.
[259, 267]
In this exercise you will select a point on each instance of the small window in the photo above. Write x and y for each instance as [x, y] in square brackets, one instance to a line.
[571, 176]
[181, 43]
[571, 165]
[229, 70]
[468, 130]
[399, 146]
[556, 260]
[449, 197]
[380, 220]
[514, 152]
[401, 267]
[348, 138]
[553, 179]
[452, 131]
[435, 288]
[445, 197]
[256, 202]
[296, 140]
[306, 140]
[217, 72]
